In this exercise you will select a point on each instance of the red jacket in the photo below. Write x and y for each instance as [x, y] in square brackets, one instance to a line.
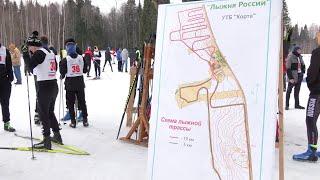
[89, 53]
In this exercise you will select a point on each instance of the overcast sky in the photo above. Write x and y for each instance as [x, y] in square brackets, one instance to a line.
[304, 12]
[301, 12]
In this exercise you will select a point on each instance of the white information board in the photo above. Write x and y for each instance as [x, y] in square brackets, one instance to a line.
[215, 91]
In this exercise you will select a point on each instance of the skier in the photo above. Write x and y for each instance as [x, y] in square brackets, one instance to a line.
[44, 44]
[72, 68]
[107, 59]
[67, 117]
[43, 63]
[88, 58]
[313, 107]
[295, 70]
[124, 57]
[16, 62]
[6, 77]
[119, 60]
[97, 62]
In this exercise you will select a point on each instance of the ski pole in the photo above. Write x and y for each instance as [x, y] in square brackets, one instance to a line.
[31, 134]
[60, 101]
[62, 97]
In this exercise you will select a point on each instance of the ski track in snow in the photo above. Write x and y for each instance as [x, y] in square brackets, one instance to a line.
[111, 159]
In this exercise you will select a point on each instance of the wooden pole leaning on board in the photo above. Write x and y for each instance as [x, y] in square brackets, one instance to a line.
[141, 124]
[280, 107]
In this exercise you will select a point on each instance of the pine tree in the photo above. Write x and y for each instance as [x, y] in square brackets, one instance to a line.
[286, 17]
[295, 38]
[148, 20]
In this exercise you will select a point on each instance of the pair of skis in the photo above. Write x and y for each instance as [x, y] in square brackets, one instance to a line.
[65, 149]
[132, 90]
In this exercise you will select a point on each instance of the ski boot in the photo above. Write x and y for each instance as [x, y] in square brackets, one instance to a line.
[8, 128]
[310, 155]
[36, 119]
[73, 123]
[80, 117]
[44, 144]
[57, 138]
[85, 122]
[67, 117]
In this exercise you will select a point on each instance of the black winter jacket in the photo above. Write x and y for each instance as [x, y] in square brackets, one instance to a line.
[6, 73]
[313, 74]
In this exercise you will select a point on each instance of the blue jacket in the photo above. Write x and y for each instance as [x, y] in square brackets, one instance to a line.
[119, 55]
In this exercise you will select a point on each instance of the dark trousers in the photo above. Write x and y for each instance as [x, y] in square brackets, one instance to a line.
[36, 86]
[105, 62]
[71, 97]
[296, 86]
[284, 82]
[88, 67]
[313, 111]
[119, 66]
[5, 93]
[47, 95]
[97, 67]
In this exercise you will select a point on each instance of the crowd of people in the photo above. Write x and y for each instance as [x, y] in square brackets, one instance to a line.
[41, 62]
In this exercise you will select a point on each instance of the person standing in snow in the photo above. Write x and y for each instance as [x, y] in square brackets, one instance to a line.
[119, 58]
[313, 107]
[45, 44]
[16, 62]
[295, 70]
[88, 57]
[72, 68]
[124, 57]
[67, 116]
[6, 77]
[43, 63]
[97, 62]
[113, 55]
[107, 59]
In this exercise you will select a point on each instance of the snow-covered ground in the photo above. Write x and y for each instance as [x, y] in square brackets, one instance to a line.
[111, 159]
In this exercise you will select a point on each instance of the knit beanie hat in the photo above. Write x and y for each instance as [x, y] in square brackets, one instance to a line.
[33, 40]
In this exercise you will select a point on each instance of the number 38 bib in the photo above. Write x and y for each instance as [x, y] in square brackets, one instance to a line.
[75, 66]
